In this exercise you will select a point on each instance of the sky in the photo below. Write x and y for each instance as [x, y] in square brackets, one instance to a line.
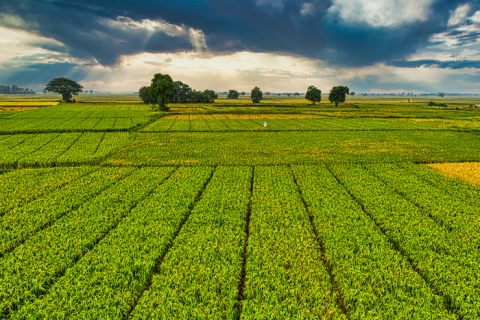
[374, 46]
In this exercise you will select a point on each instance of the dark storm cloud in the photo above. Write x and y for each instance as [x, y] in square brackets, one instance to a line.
[299, 27]
[461, 64]
[36, 75]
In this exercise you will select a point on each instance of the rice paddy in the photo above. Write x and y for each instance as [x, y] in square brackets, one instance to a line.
[109, 210]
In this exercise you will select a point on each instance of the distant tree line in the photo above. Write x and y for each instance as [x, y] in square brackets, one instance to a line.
[337, 94]
[15, 90]
[164, 90]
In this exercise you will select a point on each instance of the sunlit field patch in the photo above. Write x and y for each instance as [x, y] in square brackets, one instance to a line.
[28, 103]
[469, 171]
[25, 105]
[16, 109]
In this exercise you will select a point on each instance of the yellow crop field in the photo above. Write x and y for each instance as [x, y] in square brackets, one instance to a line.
[28, 103]
[469, 171]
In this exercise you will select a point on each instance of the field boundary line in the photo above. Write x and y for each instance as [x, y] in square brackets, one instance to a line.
[396, 247]
[241, 288]
[98, 145]
[321, 247]
[158, 265]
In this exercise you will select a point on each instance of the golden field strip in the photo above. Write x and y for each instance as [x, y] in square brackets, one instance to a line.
[469, 172]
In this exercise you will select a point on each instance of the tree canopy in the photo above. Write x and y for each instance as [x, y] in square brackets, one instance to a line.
[233, 94]
[256, 95]
[65, 87]
[313, 94]
[169, 91]
[161, 90]
[337, 94]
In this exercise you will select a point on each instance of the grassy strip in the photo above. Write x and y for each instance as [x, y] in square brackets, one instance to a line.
[374, 279]
[199, 276]
[107, 282]
[30, 270]
[452, 213]
[285, 277]
[445, 261]
[17, 225]
[21, 187]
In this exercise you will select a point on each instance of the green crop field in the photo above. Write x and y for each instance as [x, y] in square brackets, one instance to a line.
[109, 210]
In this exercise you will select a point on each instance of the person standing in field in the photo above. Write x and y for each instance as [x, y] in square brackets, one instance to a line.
[265, 124]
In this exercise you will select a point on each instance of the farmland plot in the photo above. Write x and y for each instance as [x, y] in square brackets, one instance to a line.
[54, 149]
[285, 123]
[309, 218]
[334, 241]
[267, 148]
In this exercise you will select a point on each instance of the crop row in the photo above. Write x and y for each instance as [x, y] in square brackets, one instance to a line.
[276, 123]
[84, 111]
[372, 277]
[269, 242]
[43, 150]
[285, 276]
[108, 281]
[27, 272]
[445, 260]
[21, 222]
[267, 148]
[199, 276]
[20, 187]
[454, 214]
[46, 125]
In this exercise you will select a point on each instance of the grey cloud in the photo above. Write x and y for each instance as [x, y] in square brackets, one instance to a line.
[461, 64]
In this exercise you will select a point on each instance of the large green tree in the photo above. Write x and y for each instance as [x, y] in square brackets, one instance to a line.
[337, 94]
[161, 90]
[65, 87]
[313, 94]
[256, 95]
[233, 94]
